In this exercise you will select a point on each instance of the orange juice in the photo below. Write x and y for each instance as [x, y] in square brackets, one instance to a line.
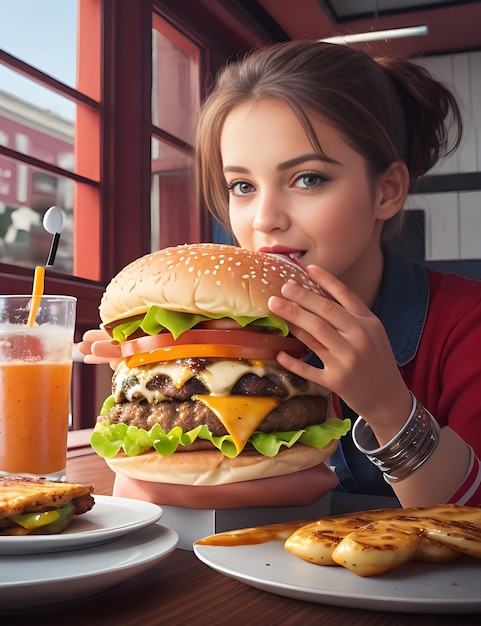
[35, 373]
[34, 409]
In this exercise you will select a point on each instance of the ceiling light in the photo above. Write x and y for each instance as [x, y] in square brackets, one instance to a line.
[376, 35]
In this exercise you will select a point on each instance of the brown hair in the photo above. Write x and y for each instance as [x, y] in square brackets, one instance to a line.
[388, 109]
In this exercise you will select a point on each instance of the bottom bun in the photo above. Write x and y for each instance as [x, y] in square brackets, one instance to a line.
[299, 489]
[211, 467]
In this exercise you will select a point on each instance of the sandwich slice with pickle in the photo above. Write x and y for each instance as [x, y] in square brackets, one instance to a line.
[31, 505]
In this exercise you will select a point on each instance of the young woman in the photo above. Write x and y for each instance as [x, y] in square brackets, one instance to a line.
[309, 149]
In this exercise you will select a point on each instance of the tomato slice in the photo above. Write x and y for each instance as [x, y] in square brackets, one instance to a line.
[206, 350]
[216, 340]
[227, 344]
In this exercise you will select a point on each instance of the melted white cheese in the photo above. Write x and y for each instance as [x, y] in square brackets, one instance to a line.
[218, 378]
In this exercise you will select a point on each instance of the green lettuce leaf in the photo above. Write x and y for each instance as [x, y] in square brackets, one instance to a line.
[109, 439]
[107, 406]
[157, 320]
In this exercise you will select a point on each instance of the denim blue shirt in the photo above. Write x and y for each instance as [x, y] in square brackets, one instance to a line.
[401, 305]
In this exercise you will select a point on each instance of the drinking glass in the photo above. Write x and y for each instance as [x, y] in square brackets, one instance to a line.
[35, 384]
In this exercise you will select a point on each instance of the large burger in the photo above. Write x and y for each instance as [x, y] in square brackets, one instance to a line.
[198, 397]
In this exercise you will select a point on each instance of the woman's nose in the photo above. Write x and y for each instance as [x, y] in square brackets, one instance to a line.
[270, 214]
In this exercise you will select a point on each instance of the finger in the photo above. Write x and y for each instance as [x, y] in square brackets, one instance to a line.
[95, 334]
[310, 317]
[309, 301]
[337, 289]
[314, 343]
[326, 320]
[94, 360]
[100, 346]
[85, 347]
[302, 369]
[106, 349]
[328, 332]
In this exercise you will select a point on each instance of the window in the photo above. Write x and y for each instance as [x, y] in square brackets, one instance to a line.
[175, 106]
[43, 99]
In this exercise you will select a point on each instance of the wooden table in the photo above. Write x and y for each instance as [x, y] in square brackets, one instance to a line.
[182, 590]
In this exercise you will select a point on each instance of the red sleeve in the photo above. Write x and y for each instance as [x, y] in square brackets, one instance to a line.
[445, 374]
[469, 492]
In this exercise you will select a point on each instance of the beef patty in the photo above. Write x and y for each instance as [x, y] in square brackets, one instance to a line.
[292, 414]
[169, 404]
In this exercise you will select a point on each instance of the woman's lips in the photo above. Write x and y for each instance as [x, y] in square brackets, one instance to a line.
[295, 257]
[289, 254]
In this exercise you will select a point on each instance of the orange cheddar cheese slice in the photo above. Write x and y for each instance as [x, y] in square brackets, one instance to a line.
[241, 415]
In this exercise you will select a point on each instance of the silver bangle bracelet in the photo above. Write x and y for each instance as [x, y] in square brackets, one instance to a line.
[407, 451]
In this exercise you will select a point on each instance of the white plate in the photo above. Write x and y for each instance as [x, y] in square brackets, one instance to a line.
[109, 518]
[29, 581]
[414, 587]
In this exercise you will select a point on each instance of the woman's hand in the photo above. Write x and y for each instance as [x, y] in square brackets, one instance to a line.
[359, 365]
[99, 347]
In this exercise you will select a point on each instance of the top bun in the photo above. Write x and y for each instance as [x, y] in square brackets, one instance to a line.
[203, 278]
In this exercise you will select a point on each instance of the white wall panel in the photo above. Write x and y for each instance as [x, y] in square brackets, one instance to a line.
[466, 153]
[470, 224]
[462, 73]
[441, 224]
[442, 68]
[453, 220]
[475, 102]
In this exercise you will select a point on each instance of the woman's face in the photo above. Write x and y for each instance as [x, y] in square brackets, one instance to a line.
[284, 198]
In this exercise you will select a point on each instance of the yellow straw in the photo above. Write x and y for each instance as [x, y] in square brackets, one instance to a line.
[37, 293]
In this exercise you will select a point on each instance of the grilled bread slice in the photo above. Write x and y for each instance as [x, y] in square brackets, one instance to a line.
[372, 542]
[378, 547]
[36, 506]
[316, 541]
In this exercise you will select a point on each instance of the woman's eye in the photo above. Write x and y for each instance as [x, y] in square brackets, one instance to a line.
[240, 188]
[309, 180]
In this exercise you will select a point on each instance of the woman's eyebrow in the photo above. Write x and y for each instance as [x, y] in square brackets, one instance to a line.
[235, 169]
[304, 158]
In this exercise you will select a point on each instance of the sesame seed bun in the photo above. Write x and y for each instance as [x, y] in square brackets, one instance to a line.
[202, 279]
[216, 375]
[211, 467]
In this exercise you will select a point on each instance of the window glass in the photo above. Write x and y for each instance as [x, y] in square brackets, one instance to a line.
[25, 194]
[42, 33]
[25, 191]
[35, 130]
[53, 134]
[172, 194]
[175, 82]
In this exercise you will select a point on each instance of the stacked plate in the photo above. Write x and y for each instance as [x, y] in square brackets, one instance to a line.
[117, 539]
[411, 588]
